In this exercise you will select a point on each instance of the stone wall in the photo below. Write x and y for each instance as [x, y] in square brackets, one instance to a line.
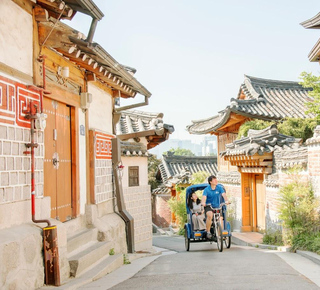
[138, 204]
[15, 165]
[21, 264]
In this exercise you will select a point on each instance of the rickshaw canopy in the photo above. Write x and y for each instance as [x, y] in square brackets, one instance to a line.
[193, 188]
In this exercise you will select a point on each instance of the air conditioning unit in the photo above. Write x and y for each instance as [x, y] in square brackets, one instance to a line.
[85, 100]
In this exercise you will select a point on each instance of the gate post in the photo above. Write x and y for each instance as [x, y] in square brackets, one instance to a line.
[51, 256]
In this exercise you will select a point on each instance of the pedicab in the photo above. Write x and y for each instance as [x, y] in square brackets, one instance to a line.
[219, 235]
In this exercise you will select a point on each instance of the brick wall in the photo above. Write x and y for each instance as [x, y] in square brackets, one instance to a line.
[15, 167]
[161, 213]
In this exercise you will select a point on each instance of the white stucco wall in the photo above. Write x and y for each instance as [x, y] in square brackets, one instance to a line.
[142, 162]
[82, 163]
[16, 32]
[100, 112]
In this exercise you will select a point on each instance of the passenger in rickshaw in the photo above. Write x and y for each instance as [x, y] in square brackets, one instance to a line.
[213, 195]
[196, 208]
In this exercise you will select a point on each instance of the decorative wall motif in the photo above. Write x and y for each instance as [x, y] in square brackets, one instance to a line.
[14, 100]
[103, 145]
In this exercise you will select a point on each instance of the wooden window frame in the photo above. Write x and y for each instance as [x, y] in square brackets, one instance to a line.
[133, 180]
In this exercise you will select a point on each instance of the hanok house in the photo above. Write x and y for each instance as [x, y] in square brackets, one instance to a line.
[139, 132]
[175, 171]
[57, 99]
[248, 171]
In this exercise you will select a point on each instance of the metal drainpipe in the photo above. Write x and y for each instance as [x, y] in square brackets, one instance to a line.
[92, 30]
[32, 116]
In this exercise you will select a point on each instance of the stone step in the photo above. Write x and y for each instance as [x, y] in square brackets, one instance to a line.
[82, 261]
[80, 239]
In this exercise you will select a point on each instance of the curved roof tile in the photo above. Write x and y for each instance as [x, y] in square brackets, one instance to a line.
[264, 99]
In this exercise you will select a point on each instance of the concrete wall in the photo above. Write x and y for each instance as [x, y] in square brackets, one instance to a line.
[16, 32]
[100, 112]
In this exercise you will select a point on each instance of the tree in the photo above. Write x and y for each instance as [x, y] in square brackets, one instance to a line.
[180, 152]
[153, 164]
[311, 81]
[295, 127]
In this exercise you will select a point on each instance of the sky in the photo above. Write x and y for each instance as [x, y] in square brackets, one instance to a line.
[192, 55]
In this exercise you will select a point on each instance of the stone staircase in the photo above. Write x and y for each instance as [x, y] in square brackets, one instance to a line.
[89, 258]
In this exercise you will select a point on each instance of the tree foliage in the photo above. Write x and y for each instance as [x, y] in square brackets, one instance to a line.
[298, 211]
[311, 81]
[295, 127]
[180, 152]
[254, 125]
[153, 164]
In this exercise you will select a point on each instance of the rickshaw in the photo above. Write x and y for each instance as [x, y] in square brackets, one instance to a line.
[218, 235]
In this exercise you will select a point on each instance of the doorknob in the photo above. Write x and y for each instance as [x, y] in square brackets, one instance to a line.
[55, 160]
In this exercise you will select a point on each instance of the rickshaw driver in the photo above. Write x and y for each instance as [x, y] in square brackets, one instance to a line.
[212, 195]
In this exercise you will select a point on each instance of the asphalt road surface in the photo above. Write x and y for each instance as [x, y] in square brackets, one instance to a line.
[204, 267]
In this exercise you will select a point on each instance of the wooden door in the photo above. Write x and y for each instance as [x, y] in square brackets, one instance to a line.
[247, 210]
[57, 162]
[261, 202]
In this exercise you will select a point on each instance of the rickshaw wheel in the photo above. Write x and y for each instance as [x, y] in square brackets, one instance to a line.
[227, 241]
[219, 236]
[186, 240]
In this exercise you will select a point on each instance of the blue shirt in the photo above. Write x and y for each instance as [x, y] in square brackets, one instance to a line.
[214, 196]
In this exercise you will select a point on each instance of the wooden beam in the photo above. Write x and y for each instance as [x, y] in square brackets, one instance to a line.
[40, 14]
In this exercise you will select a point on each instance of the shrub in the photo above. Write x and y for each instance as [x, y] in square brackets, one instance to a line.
[273, 238]
[298, 211]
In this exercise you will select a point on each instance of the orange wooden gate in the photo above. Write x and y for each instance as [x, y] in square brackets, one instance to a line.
[253, 202]
[57, 162]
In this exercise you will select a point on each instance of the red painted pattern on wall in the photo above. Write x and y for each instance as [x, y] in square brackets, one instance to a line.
[103, 145]
[14, 100]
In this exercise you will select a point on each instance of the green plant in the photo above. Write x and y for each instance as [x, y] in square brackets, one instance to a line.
[273, 238]
[254, 125]
[298, 211]
[177, 205]
[295, 127]
[311, 81]
[153, 164]
[126, 260]
[199, 177]
[111, 252]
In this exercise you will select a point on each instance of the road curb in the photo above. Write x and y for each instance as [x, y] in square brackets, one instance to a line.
[310, 255]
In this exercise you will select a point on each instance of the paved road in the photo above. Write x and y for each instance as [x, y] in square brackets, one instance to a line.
[204, 267]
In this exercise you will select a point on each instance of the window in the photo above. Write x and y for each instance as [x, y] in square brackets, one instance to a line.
[133, 175]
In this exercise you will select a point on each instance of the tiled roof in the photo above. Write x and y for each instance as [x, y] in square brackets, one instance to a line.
[180, 167]
[261, 141]
[313, 22]
[91, 57]
[271, 180]
[291, 157]
[136, 124]
[259, 99]
[133, 149]
[316, 137]
[231, 177]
